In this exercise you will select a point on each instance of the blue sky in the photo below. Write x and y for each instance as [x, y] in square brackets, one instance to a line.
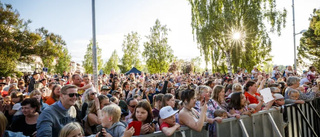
[115, 18]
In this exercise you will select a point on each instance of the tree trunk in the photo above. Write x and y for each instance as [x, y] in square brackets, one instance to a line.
[229, 67]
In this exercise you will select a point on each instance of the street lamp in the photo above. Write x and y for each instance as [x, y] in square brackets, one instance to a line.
[294, 37]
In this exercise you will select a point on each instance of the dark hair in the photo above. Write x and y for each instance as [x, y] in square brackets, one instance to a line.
[187, 95]
[228, 87]
[249, 84]
[17, 95]
[124, 84]
[53, 95]
[166, 98]
[209, 82]
[157, 97]
[235, 101]
[128, 101]
[33, 103]
[146, 106]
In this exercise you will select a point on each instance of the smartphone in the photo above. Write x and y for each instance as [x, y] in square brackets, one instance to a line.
[99, 129]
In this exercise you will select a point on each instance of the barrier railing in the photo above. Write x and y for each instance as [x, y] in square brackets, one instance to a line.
[303, 119]
[262, 124]
[295, 120]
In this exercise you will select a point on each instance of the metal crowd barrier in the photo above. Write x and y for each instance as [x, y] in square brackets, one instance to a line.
[303, 119]
[183, 132]
[262, 124]
[294, 120]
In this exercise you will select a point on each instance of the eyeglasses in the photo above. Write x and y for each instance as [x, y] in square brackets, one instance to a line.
[93, 93]
[73, 94]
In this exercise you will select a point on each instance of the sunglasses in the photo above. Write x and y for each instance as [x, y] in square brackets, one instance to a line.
[73, 94]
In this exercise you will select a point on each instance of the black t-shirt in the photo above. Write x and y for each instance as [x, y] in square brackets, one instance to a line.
[20, 125]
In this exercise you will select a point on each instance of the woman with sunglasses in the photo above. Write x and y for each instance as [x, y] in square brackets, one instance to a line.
[89, 96]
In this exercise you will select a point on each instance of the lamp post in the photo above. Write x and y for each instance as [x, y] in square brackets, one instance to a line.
[94, 48]
[294, 36]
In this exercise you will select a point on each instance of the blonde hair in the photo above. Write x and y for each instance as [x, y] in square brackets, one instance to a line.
[114, 111]
[67, 129]
[35, 92]
[3, 123]
[293, 91]
[237, 87]
[200, 89]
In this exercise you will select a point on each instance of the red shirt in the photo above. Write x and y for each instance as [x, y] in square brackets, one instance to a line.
[164, 124]
[4, 93]
[252, 99]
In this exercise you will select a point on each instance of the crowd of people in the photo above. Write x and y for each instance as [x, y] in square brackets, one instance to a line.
[68, 105]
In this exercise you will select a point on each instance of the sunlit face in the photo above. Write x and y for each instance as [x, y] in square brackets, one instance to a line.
[170, 120]
[205, 95]
[294, 96]
[37, 96]
[92, 94]
[75, 133]
[222, 93]
[224, 115]
[104, 102]
[106, 120]
[141, 114]
[57, 90]
[243, 100]
[104, 92]
[86, 80]
[67, 100]
[253, 88]
[192, 102]
[77, 80]
[280, 102]
[171, 102]
[27, 110]
[132, 104]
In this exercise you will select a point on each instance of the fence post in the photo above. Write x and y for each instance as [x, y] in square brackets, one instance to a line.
[244, 130]
[274, 125]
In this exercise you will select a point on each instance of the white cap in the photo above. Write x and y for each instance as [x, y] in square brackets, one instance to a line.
[166, 112]
[278, 96]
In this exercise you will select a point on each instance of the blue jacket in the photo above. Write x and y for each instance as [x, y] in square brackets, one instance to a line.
[51, 120]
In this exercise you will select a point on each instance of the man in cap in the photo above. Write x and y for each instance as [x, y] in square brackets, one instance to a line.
[105, 90]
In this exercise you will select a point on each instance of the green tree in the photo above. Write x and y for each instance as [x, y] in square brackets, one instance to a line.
[130, 48]
[63, 62]
[157, 52]
[17, 43]
[112, 63]
[310, 42]
[196, 63]
[234, 32]
[88, 59]
[49, 48]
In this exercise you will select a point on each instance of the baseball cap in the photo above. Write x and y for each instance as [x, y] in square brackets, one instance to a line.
[166, 112]
[115, 91]
[278, 96]
[105, 88]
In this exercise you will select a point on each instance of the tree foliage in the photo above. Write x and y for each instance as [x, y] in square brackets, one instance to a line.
[157, 52]
[214, 23]
[63, 62]
[88, 58]
[112, 63]
[17, 43]
[131, 52]
[310, 42]
[49, 48]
